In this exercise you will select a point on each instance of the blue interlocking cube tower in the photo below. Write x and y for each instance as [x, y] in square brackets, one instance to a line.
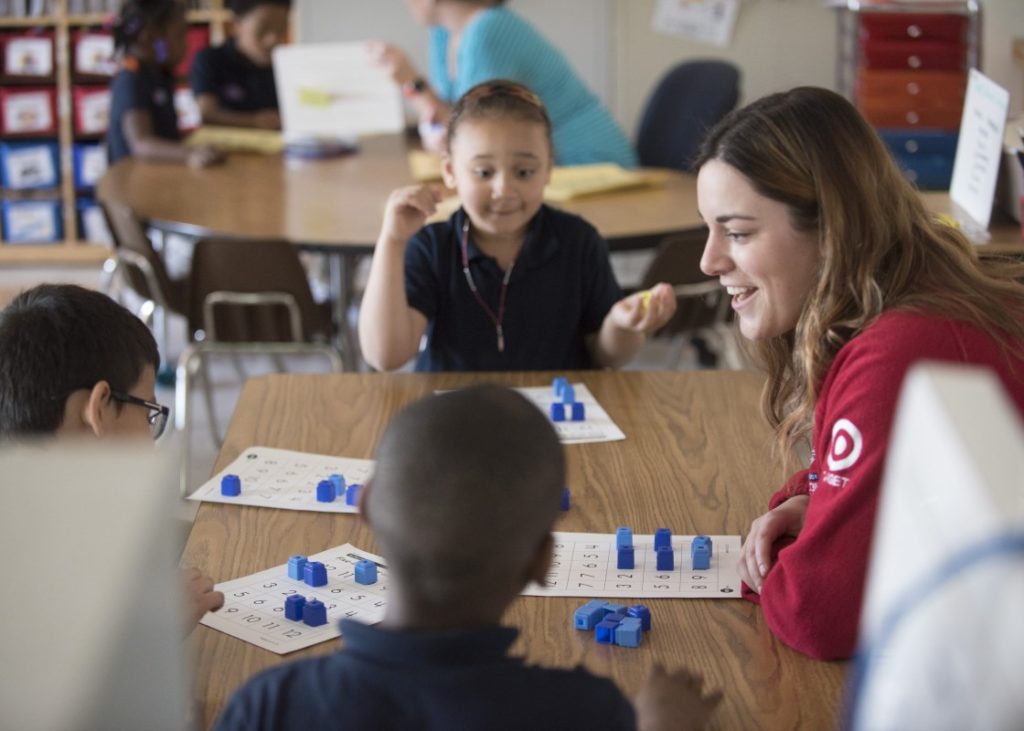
[700, 553]
[315, 573]
[662, 537]
[626, 558]
[665, 558]
[366, 572]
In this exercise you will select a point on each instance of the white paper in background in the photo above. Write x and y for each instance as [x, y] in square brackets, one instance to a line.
[94, 164]
[94, 54]
[332, 90]
[979, 149]
[94, 112]
[706, 21]
[94, 226]
[31, 222]
[31, 167]
[187, 109]
[28, 112]
[29, 56]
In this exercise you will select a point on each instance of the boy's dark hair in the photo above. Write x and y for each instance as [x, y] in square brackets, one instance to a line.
[244, 7]
[137, 15]
[56, 339]
[499, 98]
[466, 489]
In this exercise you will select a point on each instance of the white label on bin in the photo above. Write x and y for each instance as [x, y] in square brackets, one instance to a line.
[31, 167]
[95, 55]
[94, 164]
[94, 112]
[28, 112]
[29, 56]
[94, 225]
[31, 222]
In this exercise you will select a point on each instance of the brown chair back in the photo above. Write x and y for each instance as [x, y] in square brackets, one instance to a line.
[677, 262]
[130, 235]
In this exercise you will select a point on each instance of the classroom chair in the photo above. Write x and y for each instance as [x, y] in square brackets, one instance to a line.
[703, 314]
[246, 298]
[685, 103]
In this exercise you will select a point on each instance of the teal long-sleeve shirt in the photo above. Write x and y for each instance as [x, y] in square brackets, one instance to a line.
[498, 44]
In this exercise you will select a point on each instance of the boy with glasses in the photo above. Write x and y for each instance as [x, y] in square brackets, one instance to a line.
[74, 363]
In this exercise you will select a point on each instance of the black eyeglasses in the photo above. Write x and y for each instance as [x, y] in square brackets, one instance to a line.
[158, 414]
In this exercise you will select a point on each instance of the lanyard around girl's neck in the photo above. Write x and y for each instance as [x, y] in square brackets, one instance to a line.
[497, 319]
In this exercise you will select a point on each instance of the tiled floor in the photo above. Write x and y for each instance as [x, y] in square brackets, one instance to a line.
[227, 382]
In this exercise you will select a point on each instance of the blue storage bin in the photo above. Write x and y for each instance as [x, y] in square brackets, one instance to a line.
[89, 164]
[32, 222]
[92, 225]
[926, 157]
[28, 165]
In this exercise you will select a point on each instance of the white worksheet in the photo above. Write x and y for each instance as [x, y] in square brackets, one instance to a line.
[584, 564]
[282, 478]
[254, 605]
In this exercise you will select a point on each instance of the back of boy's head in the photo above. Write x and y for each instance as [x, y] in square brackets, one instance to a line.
[56, 339]
[465, 492]
[244, 7]
[138, 15]
[498, 99]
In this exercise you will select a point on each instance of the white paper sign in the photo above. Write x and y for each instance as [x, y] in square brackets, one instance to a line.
[28, 112]
[94, 226]
[93, 161]
[29, 56]
[31, 222]
[187, 109]
[706, 21]
[94, 54]
[332, 90]
[94, 112]
[31, 167]
[979, 149]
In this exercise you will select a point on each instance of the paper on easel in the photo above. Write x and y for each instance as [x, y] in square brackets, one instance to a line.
[333, 90]
[706, 21]
[979, 149]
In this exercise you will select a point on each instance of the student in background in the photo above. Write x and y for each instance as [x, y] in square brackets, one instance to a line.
[149, 36]
[234, 83]
[74, 364]
[455, 562]
[843, 280]
[472, 41]
[506, 283]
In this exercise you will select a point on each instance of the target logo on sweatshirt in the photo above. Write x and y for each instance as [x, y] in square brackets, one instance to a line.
[846, 446]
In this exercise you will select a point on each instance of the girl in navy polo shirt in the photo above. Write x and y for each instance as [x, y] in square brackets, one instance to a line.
[506, 283]
[150, 37]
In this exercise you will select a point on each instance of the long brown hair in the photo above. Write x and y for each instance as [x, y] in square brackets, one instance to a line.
[880, 249]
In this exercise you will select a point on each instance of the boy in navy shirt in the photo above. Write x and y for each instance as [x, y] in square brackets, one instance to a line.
[466, 490]
[234, 83]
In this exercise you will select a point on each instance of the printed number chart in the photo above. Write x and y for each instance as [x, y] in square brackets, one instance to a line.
[584, 564]
[254, 605]
[281, 478]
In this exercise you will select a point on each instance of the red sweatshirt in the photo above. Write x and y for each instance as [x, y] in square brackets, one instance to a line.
[812, 594]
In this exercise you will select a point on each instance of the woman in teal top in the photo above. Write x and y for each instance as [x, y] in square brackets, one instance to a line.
[472, 41]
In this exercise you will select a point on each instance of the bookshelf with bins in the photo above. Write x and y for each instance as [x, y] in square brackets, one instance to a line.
[54, 103]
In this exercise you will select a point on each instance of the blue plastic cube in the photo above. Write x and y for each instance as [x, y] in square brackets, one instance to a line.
[293, 607]
[297, 567]
[315, 573]
[568, 395]
[662, 537]
[352, 494]
[366, 572]
[565, 498]
[623, 537]
[314, 613]
[557, 412]
[558, 385]
[604, 632]
[626, 559]
[615, 608]
[230, 486]
[665, 559]
[639, 611]
[579, 413]
[629, 633]
[325, 491]
[589, 615]
[339, 484]
[700, 553]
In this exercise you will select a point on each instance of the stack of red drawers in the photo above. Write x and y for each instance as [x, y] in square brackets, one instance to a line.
[910, 84]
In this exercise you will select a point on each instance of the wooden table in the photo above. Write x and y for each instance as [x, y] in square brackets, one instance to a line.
[338, 203]
[695, 459]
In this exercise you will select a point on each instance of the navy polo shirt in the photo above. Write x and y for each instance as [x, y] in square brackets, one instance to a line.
[150, 89]
[238, 83]
[455, 679]
[562, 287]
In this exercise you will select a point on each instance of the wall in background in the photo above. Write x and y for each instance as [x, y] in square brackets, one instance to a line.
[777, 44]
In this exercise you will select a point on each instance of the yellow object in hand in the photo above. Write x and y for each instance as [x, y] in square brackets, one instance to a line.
[948, 220]
[315, 97]
[645, 300]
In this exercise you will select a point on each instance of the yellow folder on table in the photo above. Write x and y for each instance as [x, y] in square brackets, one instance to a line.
[238, 139]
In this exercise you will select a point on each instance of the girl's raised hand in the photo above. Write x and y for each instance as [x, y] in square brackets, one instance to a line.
[393, 60]
[407, 210]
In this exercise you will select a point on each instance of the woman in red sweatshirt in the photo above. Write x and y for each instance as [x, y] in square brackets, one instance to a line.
[842, 280]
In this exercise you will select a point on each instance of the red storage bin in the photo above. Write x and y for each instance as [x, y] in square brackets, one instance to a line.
[93, 54]
[922, 27]
[916, 56]
[884, 114]
[28, 55]
[196, 39]
[948, 86]
[28, 111]
[92, 109]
